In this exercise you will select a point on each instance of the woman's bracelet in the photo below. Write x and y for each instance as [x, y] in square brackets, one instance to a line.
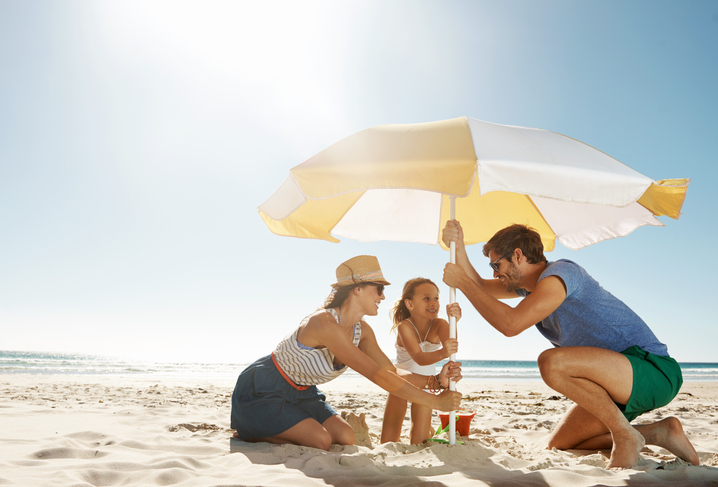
[436, 386]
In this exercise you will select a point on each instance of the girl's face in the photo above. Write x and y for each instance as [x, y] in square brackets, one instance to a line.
[425, 302]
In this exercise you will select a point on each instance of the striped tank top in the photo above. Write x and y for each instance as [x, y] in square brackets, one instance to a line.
[306, 365]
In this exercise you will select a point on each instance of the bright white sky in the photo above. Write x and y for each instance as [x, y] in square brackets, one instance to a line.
[137, 139]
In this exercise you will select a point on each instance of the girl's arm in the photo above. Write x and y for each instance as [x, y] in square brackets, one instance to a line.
[372, 363]
[450, 344]
[411, 343]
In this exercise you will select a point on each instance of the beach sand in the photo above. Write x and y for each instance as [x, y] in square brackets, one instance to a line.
[59, 430]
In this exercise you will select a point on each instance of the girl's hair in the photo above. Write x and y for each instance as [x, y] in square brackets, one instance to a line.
[400, 312]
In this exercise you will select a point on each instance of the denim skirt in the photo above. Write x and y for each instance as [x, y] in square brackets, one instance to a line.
[264, 404]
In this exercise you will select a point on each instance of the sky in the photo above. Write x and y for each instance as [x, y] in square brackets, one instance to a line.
[138, 138]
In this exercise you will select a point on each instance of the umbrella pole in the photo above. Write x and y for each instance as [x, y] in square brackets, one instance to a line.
[452, 324]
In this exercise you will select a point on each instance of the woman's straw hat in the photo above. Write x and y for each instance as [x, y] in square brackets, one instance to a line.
[359, 269]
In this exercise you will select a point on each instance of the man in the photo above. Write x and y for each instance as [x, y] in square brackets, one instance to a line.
[606, 358]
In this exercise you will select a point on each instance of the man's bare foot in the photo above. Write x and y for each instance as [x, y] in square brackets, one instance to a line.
[626, 447]
[668, 433]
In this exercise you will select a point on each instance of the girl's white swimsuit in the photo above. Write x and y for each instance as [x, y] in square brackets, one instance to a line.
[404, 360]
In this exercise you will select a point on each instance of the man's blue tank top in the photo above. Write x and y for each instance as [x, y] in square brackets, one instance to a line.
[590, 316]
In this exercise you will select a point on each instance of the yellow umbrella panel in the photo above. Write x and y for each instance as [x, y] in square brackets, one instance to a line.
[392, 182]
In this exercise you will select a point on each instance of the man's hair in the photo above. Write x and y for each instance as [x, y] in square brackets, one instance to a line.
[517, 237]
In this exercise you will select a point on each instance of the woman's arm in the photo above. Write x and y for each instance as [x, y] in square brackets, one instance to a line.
[372, 363]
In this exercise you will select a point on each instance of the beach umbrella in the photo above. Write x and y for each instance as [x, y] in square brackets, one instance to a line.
[404, 182]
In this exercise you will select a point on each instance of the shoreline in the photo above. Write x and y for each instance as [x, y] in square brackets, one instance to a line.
[73, 430]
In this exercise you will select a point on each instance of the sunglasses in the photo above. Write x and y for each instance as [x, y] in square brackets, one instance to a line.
[495, 264]
[379, 288]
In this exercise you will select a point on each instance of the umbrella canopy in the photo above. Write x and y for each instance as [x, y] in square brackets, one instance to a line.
[403, 182]
[393, 182]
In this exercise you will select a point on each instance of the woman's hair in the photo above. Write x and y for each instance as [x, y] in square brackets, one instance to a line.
[400, 312]
[517, 236]
[337, 297]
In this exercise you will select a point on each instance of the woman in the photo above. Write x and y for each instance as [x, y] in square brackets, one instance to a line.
[276, 398]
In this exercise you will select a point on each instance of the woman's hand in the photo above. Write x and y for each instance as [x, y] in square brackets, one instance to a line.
[451, 346]
[454, 310]
[450, 370]
[449, 400]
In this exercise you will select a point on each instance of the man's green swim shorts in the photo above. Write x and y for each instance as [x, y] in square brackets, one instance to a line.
[656, 381]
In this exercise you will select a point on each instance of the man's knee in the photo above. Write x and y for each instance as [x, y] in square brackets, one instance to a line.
[550, 364]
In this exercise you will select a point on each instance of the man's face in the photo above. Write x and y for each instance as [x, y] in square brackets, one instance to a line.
[508, 272]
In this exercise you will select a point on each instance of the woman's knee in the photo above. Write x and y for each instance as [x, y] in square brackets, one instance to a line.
[326, 442]
[344, 435]
[307, 433]
[320, 439]
[340, 432]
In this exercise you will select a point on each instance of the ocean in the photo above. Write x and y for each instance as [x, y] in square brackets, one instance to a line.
[14, 362]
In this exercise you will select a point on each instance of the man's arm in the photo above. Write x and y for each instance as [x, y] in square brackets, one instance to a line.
[545, 298]
[493, 287]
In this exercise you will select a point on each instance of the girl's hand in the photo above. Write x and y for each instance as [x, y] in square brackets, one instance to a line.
[451, 346]
[450, 370]
[449, 400]
[454, 309]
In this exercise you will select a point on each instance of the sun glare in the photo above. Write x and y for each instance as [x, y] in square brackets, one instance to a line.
[265, 59]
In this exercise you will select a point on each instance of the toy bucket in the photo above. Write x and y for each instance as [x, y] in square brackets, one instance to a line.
[463, 424]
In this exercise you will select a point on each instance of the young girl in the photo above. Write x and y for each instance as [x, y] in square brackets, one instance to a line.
[422, 340]
[276, 398]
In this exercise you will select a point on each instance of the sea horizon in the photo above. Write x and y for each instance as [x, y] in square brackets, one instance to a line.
[45, 363]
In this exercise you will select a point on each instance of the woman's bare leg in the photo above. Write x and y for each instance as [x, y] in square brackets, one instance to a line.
[340, 431]
[306, 433]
